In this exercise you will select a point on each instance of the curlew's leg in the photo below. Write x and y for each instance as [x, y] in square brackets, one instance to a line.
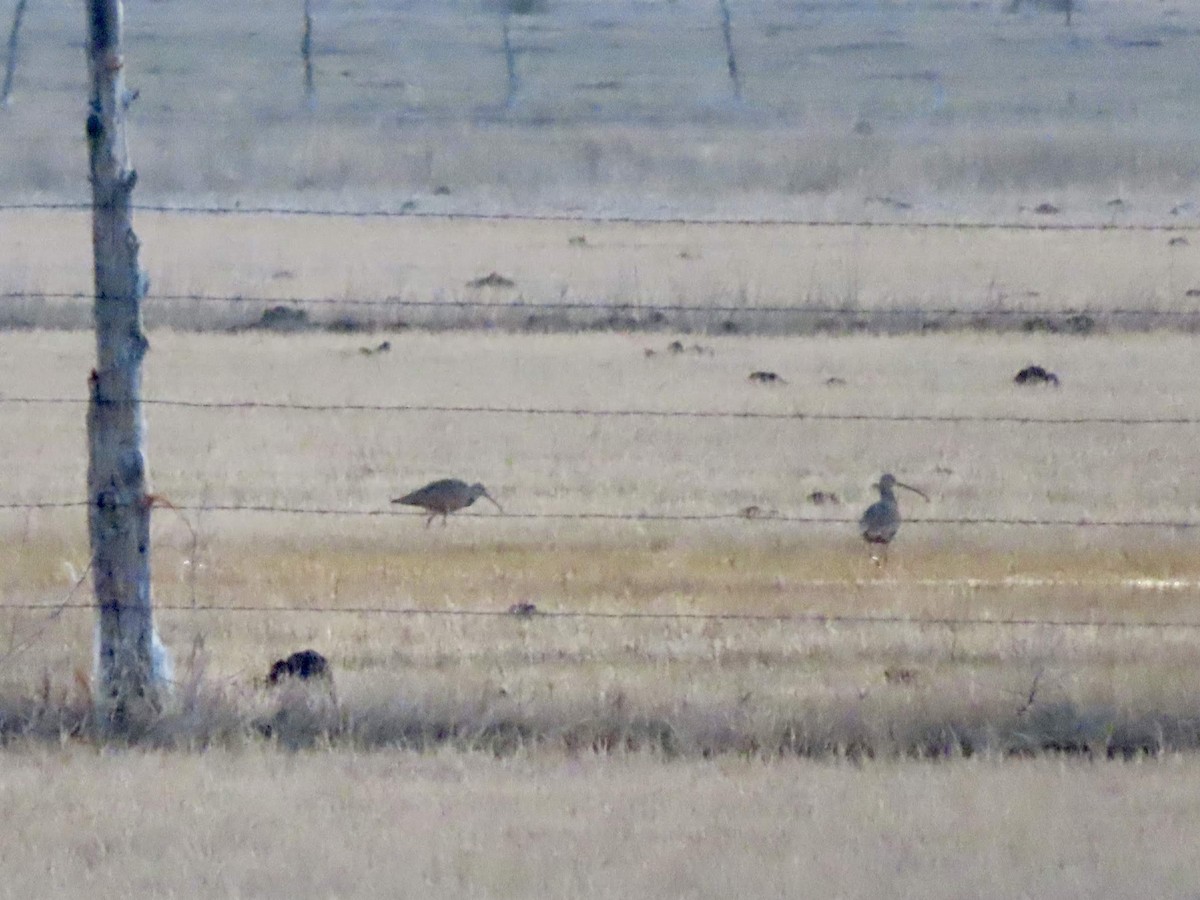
[429, 521]
[444, 517]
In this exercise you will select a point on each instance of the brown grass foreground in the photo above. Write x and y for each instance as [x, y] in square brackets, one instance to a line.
[452, 825]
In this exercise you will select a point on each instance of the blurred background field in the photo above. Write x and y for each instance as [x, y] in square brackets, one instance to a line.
[891, 110]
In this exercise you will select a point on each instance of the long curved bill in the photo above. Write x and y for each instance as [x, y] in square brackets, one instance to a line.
[493, 499]
[913, 489]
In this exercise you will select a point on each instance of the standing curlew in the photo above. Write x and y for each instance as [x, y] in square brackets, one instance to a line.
[446, 496]
[881, 521]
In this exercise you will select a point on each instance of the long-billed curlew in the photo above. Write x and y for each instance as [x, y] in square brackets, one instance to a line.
[446, 496]
[881, 521]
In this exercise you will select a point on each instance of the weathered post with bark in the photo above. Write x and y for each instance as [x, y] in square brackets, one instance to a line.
[10, 64]
[132, 670]
[310, 89]
[510, 62]
[730, 56]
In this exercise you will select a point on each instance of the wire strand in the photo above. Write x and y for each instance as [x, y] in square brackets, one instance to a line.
[580, 412]
[269, 509]
[820, 619]
[763, 222]
[645, 307]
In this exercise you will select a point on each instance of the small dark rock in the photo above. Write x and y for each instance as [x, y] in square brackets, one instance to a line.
[900, 675]
[384, 347]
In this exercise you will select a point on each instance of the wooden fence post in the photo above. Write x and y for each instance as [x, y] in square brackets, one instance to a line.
[510, 62]
[310, 89]
[730, 57]
[132, 671]
[10, 65]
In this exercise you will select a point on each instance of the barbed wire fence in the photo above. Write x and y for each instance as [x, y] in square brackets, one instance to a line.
[54, 611]
[764, 517]
[491, 305]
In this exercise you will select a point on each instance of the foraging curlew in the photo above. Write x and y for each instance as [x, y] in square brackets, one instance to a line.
[881, 521]
[446, 496]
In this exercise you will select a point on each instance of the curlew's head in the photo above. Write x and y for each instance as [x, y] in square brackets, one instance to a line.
[888, 481]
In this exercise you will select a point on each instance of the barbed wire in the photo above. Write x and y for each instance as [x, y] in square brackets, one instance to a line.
[582, 412]
[820, 619]
[760, 517]
[640, 306]
[55, 611]
[598, 219]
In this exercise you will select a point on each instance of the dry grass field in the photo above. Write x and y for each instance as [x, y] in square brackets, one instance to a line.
[426, 669]
[260, 824]
[705, 703]
[403, 273]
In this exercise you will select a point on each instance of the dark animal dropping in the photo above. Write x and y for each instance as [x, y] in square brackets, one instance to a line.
[304, 665]
[1035, 375]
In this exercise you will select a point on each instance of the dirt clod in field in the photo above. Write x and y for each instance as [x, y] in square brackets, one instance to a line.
[754, 511]
[492, 279]
[823, 498]
[765, 377]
